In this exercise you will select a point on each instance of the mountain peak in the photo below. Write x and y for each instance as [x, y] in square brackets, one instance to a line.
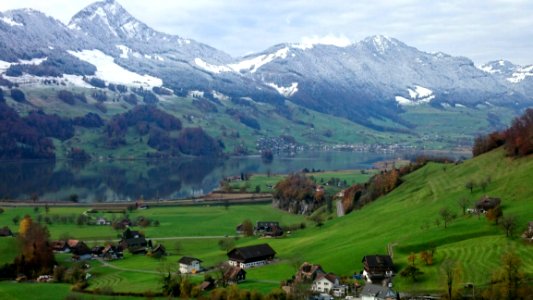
[381, 43]
[110, 20]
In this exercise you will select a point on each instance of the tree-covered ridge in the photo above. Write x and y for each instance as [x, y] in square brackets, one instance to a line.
[517, 139]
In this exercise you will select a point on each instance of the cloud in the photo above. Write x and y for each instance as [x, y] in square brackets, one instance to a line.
[481, 30]
[340, 41]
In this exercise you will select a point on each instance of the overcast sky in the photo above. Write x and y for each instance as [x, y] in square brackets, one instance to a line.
[481, 30]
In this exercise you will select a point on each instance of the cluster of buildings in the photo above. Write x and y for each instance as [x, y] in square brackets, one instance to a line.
[131, 240]
[263, 228]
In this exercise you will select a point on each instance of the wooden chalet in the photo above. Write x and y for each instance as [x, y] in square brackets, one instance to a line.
[377, 268]
[134, 241]
[251, 256]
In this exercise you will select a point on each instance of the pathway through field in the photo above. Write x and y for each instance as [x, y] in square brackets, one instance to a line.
[172, 238]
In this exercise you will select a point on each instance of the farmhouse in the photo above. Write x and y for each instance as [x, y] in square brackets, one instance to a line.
[308, 272]
[324, 283]
[486, 203]
[251, 256]
[5, 231]
[111, 252]
[79, 249]
[189, 265]
[268, 228]
[134, 241]
[378, 292]
[377, 267]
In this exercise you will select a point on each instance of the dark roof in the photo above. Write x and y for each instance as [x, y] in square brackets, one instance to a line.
[187, 260]
[233, 273]
[378, 291]
[5, 231]
[252, 253]
[487, 202]
[378, 262]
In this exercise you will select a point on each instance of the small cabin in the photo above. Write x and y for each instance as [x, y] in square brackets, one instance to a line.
[189, 265]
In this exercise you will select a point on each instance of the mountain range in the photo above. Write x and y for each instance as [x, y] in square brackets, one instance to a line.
[370, 82]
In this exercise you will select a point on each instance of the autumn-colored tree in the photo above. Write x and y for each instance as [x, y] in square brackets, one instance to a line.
[36, 256]
[494, 214]
[247, 228]
[427, 257]
[294, 193]
[519, 137]
[25, 225]
[509, 281]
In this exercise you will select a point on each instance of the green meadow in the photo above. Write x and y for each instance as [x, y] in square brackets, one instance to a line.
[405, 219]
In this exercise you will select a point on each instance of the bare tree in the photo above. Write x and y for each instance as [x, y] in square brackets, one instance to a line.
[470, 184]
[463, 204]
[509, 223]
[452, 273]
[446, 215]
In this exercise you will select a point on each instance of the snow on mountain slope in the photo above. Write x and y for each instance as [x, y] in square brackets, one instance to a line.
[109, 71]
[10, 21]
[418, 95]
[520, 74]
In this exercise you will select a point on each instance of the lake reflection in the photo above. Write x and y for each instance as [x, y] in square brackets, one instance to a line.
[104, 181]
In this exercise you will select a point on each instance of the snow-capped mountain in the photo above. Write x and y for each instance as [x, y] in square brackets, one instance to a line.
[363, 81]
[515, 77]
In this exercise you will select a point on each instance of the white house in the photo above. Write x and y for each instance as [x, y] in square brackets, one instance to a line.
[189, 265]
[324, 283]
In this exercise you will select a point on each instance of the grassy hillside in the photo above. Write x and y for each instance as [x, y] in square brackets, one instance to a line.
[404, 218]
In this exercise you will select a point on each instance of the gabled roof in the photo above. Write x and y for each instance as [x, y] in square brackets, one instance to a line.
[329, 277]
[252, 253]
[378, 291]
[378, 262]
[187, 260]
[232, 272]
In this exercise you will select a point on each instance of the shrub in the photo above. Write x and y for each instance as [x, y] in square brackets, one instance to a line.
[18, 95]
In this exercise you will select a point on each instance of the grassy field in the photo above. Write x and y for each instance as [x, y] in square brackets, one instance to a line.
[174, 221]
[266, 182]
[405, 218]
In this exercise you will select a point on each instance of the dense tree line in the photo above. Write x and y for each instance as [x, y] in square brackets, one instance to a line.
[54, 66]
[90, 120]
[297, 194]
[70, 97]
[195, 141]
[517, 139]
[51, 125]
[19, 139]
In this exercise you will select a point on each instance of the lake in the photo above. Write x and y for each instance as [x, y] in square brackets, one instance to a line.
[130, 180]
